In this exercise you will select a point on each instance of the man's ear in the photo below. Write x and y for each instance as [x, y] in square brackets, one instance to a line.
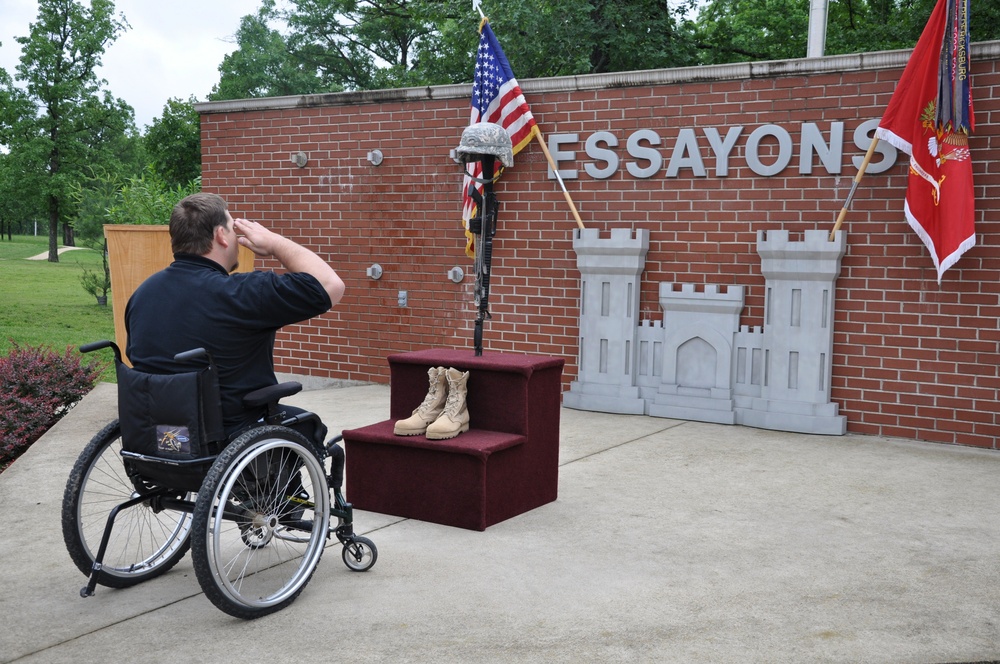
[219, 235]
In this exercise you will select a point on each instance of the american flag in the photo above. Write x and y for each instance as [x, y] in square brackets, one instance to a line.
[496, 98]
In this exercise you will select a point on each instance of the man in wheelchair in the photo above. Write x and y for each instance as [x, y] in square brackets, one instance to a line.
[189, 463]
[197, 302]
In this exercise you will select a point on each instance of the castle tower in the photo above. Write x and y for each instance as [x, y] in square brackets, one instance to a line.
[798, 334]
[609, 315]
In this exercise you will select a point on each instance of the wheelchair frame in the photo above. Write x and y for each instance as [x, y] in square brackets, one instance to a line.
[257, 525]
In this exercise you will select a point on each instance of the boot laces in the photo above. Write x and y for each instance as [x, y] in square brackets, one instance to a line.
[431, 397]
[454, 403]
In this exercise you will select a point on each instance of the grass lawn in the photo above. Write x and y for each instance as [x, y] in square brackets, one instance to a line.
[43, 303]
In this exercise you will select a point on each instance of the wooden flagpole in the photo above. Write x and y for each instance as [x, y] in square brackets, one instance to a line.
[857, 179]
[562, 185]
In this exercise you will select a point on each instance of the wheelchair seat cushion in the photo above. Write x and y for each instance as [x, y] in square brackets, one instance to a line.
[173, 416]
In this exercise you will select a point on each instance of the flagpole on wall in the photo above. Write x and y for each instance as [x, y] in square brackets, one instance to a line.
[854, 187]
[562, 185]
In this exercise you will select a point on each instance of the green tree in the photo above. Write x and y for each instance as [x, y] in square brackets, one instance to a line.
[570, 37]
[641, 34]
[556, 39]
[748, 30]
[15, 210]
[148, 199]
[336, 45]
[331, 45]
[263, 65]
[91, 204]
[67, 124]
[20, 185]
[106, 197]
[110, 136]
[359, 45]
[173, 143]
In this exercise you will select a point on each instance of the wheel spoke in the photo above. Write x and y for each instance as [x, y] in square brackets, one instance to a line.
[143, 543]
[245, 560]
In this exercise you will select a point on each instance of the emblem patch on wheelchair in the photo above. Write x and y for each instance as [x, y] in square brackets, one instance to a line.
[172, 439]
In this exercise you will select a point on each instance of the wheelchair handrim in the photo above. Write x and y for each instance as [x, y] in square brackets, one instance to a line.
[306, 562]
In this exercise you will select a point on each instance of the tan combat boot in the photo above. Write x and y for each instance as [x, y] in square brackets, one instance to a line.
[455, 418]
[430, 409]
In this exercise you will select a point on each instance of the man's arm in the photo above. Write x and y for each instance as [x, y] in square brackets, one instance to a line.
[293, 256]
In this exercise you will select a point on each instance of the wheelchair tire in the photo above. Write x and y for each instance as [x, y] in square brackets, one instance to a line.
[261, 522]
[144, 543]
[359, 554]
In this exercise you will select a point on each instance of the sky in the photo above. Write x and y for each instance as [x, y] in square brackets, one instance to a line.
[173, 49]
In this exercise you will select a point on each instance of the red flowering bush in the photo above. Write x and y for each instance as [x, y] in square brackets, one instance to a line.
[37, 387]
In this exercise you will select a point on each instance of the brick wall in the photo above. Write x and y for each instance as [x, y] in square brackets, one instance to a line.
[913, 358]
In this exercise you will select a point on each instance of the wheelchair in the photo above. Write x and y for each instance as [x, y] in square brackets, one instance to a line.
[255, 510]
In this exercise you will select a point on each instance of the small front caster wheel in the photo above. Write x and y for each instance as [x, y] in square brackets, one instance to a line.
[360, 554]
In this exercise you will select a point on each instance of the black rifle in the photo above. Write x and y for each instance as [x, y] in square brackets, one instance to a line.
[483, 226]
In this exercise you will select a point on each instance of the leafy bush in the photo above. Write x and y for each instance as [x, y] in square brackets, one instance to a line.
[38, 386]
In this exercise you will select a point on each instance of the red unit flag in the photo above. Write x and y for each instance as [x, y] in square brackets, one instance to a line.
[929, 118]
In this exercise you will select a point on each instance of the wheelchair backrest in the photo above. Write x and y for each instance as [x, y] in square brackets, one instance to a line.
[171, 416]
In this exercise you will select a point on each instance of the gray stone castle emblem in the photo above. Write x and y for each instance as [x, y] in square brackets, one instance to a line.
[698, 363]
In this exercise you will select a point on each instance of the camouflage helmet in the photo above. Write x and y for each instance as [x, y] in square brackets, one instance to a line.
[484, 138]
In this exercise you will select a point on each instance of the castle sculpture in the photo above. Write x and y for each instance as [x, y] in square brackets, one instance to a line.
[698, 363]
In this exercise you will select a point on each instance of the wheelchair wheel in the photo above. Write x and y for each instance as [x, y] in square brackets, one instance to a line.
[359, 554]
[260, 522]
[145, 541]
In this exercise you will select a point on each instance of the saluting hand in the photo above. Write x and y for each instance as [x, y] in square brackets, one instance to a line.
[256, 238]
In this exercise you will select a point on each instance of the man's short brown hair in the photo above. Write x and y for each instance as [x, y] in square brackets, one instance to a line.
[193, 223]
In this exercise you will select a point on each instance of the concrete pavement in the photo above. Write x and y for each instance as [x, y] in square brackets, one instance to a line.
[671, 541]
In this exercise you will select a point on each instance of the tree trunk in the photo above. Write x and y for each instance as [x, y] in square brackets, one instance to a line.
[53, 229]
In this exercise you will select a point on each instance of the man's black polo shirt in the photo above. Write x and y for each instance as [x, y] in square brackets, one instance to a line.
[195, 303]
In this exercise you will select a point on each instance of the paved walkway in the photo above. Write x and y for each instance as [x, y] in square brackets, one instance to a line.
[670, 542]
[45, 256]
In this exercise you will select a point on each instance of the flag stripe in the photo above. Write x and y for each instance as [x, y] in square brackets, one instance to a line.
[954, 99]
